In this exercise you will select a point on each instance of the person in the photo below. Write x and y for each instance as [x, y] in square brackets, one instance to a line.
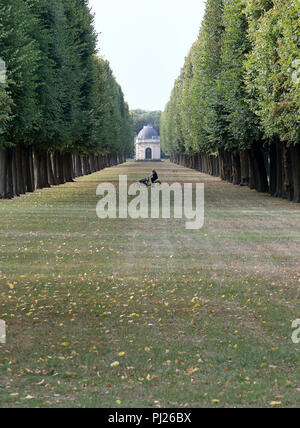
[154, 176]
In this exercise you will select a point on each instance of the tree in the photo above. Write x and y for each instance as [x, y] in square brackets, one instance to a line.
[143, 118]
[52, 126]
[21, 54]
[5, 117]
[271, 67]
[245, 139]
[5, 102]
[187, 108]
[208, 128]
[234, 110]
[171, 129]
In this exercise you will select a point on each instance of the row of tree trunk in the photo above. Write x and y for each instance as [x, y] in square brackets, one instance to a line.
[276, 171]
[24, 169]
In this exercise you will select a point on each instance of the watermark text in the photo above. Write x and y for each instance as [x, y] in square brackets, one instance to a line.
[2, 332]
[165, 201]
[296, 333]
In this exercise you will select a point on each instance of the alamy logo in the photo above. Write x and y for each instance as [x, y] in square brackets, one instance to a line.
[296, 333]
[188, 202]
[296, 72]
[2, 332]
[2, 71]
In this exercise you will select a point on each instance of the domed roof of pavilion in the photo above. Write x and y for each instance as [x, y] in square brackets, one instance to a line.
[148, 133]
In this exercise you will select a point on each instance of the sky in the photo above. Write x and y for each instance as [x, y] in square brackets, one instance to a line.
[146, 43]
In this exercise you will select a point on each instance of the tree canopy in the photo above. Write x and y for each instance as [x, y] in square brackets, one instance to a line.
[143, 118]
[238, 98]
[61, 98]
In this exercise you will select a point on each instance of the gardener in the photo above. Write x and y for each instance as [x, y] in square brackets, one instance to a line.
[154, 176]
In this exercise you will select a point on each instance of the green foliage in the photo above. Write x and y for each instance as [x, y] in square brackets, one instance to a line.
[207, 114]
[112, 128]
[83, 42]
[59, 95]
[5, 101]
[143, 118]
[273, 69]
[240, 82]
[193, 119]
[5, 111]
[56, 72]
[21, 53]
[242, 124]
[187, 107]
[171, 127]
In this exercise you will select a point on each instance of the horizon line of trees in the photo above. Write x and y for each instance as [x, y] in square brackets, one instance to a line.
[234, 111]
[143, 118]
[62, 113]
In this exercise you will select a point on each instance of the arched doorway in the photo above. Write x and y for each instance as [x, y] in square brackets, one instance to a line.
[148, 154]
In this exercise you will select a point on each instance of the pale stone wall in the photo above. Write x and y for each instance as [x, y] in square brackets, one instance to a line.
[142, 146]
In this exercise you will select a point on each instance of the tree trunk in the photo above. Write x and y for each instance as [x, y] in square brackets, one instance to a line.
[222, 164]
[14, 172]
[288, 188]
[259, 168]
[9, 183]
[228, 166]
[279, 170]
[3, 172]
[24, 166]
[51, 178]
[78, 166]
[295, 155]
[236, 168]
[29, 170]
[244, 168]
[44, 169]
[36, 169]
[19, 170]
[68, 167]
[60, 168]
[273, 172]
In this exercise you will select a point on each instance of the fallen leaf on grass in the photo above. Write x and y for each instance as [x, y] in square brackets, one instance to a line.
[275, 403]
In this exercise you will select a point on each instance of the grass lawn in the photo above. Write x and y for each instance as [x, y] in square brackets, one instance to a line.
[143, 313]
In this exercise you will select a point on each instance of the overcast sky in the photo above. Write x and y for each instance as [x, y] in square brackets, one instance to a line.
[146, 43]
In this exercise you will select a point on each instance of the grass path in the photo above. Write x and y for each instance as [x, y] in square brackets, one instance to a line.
[94, 320]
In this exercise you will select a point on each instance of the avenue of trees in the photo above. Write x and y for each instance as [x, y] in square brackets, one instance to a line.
[234, 111]
[62, 113]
